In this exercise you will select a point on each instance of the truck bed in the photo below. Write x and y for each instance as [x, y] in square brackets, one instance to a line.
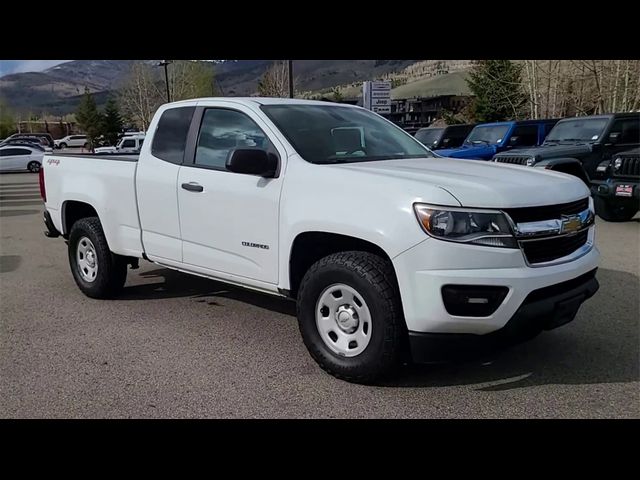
[122, 157]
[106, 182]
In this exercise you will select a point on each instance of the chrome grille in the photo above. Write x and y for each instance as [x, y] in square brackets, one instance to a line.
[547, 212]
[549, 249]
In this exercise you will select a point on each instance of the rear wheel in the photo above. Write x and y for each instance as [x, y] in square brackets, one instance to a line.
[34, 167]
[615, 211]
[98, 272]
[350, 316]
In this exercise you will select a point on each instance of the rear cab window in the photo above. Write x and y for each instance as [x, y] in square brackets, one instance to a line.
[170, 138]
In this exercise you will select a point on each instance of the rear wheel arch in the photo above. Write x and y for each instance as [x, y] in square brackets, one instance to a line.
[74, 210]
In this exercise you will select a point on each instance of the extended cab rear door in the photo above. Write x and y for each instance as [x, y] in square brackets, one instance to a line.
[157, 183]
[229, 221]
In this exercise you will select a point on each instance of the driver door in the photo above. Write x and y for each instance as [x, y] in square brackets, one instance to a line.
[229, 221]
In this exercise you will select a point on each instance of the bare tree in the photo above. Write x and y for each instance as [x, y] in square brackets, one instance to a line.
[144, 90]
[561, 88]
[140, 96]
[190, 79]
[275, 81]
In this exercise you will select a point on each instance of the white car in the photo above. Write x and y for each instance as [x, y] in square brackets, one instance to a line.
[72, 141]
[15, 158]
[127, 144]
[390, 251]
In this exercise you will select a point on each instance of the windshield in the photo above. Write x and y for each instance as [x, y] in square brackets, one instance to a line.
[490, 134]
[429, 136]
[334, 134]
[580, 129]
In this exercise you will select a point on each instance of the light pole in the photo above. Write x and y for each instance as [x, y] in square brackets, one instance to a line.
[290, 78]
[165, 63]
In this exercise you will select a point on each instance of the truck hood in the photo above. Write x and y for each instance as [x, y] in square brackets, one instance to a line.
[545, 152]
[474, 184]
[479, 152]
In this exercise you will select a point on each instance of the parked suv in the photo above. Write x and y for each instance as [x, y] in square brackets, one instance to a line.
[71, 141]
[450, 136]
[616, 189]
[487, 139]
[39, 137]
[579, 146]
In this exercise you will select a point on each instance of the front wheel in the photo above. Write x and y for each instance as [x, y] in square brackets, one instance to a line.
[62, 145]
[612, 211]
[98, 272]
[33, 167]
[350, 316]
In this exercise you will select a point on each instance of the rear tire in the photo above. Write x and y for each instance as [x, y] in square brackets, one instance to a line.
[611, 212]
[367, 289]
[33, 167]
[97, 271]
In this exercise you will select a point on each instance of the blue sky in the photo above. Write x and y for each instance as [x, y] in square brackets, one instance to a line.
[17, 66]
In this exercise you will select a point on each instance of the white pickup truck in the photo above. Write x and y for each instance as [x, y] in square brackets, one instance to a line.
[391, 252]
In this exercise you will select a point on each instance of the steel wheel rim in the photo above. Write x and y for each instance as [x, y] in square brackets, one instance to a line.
[343, 320]
[87, 260]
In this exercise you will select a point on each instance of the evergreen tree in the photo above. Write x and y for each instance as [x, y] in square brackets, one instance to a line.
[7, 122]
[89, 119]
[497, 86]
[112, 123]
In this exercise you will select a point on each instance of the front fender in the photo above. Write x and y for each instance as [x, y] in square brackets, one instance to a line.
[571, 166]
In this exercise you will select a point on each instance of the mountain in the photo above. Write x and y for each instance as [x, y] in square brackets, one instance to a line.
[58, 90]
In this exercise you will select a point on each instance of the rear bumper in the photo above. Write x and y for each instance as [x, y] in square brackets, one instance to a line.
[51, 231]
[543, 309]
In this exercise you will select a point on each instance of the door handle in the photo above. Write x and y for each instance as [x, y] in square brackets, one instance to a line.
[193, 187]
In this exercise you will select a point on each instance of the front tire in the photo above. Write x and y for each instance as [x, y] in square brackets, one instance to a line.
[33, 167]
[350, 316]
[615, 212]
[62, 145]
[97, 271]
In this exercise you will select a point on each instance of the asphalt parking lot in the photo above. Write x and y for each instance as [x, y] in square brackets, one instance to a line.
[180, 346]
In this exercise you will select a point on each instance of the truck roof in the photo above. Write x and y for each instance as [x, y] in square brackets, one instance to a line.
[605, 115]
[520, 122]
[261, 101]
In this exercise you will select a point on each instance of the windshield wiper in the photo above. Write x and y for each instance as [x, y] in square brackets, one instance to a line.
[476, 142]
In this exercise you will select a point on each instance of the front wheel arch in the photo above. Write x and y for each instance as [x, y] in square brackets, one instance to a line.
[570, 166]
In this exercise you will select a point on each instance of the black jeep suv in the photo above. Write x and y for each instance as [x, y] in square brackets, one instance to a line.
[582, 146]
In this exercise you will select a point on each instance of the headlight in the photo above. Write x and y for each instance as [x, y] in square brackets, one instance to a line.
[480, 227]
[530, 162]
[617, 163]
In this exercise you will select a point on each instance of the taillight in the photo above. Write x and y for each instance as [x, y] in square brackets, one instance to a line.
[43, 191]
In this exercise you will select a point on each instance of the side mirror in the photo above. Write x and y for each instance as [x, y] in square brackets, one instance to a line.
[614, 137]
[253, 161]
[445, 141]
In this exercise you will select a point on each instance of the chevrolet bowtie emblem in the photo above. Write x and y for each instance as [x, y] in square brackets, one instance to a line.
[570, 224]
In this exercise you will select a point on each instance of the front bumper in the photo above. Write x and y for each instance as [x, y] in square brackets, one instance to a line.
[423, 270]
[543, 309]
[607, 188]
